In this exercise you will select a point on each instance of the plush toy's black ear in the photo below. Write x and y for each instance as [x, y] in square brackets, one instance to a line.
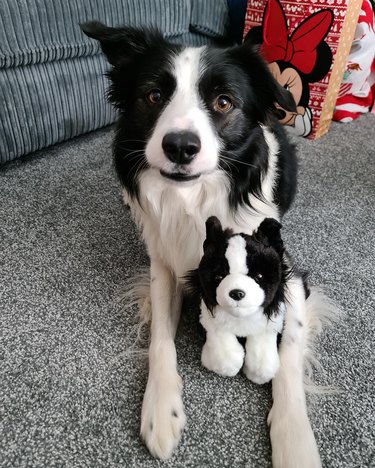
[214, 232]
[269, 234]
[121, 45]
[213, 227]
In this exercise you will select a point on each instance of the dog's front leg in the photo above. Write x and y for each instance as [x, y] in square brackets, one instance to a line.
[292, 439]
[163, 416]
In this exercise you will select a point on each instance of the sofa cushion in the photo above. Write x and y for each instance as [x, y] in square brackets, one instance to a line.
[210, 18]
[40, 31]
[52, 83]
[47, 103]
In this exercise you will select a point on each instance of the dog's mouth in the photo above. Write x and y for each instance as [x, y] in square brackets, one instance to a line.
[179, 176]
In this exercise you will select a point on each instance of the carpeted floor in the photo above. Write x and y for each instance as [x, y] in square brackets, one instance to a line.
[70, 397]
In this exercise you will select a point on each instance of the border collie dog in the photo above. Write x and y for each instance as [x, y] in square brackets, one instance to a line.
[196, 137]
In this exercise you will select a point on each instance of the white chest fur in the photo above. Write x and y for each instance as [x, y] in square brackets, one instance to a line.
[172, 216]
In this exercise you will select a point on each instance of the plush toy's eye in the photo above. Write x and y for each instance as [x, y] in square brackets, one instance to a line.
[258, 277]
[218, 278]
[154, 96]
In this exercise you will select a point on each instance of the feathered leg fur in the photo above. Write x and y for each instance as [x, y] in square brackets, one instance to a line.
[292, 438]
[163, 416]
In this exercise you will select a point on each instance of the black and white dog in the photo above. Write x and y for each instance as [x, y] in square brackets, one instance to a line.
[195, 138]
[241, 282]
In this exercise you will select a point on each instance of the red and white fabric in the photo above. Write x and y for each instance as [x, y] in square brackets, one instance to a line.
[357, 91]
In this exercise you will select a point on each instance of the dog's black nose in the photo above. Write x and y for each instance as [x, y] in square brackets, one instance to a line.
[237, 294]
[181, 147]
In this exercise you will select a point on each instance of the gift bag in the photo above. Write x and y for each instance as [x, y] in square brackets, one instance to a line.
[357, 90]
[306, 43]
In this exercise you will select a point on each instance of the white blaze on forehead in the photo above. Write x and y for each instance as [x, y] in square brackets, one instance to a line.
[236, 255]
[185, 112]
[186, 67]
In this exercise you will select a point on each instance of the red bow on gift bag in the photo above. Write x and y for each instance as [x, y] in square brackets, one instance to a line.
[300, 48]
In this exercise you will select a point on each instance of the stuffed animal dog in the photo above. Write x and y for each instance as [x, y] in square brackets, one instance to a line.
[241, 281]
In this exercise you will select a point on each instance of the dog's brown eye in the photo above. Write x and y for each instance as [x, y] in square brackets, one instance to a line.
[223, 103]
[154, 96]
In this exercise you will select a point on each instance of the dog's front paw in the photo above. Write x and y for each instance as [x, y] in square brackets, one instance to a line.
[226, 359]
[163, 417]
[292, 439]
[261, 361]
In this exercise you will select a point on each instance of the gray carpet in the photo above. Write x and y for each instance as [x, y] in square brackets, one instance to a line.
[70, 397]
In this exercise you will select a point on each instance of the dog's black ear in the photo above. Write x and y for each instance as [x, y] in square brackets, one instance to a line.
[269, 234]
[267, 89]
[122, 44]
[283, 97]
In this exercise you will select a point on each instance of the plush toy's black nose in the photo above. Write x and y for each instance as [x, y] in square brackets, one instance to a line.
[181, 147]
[237, 294]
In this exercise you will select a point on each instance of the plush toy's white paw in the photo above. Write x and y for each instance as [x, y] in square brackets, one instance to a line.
[261, 361]
[292, 439]
[163, 417]
[225, 359]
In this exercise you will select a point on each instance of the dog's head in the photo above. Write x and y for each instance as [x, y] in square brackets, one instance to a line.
[238, 272]
[182, 106]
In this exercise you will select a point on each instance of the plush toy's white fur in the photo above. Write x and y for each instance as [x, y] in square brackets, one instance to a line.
[223, 354]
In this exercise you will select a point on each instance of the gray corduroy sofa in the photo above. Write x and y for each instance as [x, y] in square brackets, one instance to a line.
[52, 82]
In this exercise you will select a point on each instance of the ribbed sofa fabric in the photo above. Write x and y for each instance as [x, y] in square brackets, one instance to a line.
[52, 77]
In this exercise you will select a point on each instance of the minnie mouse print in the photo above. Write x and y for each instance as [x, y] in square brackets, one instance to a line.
[295, 59]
